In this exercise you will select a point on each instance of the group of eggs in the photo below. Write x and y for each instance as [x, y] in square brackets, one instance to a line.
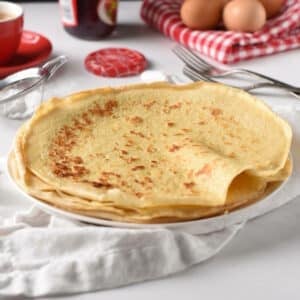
[237, 15]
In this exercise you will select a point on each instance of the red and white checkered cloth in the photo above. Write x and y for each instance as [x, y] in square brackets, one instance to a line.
[279, 34]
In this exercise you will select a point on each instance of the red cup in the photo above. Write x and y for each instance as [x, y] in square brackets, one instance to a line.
[11, 27]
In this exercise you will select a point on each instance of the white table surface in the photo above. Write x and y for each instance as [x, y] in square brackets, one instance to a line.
[263, 261]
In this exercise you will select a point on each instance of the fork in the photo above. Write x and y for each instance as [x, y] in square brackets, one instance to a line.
[210, 71]
[196, 76]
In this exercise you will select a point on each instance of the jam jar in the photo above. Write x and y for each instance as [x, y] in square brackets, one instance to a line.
[89, 19]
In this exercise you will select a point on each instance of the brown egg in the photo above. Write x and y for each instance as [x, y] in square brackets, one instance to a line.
[244, 15]
[225, 2]
[201, 14]
[272, 7]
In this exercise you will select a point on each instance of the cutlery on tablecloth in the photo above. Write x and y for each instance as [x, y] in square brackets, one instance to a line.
[196, 76]
[198, 68]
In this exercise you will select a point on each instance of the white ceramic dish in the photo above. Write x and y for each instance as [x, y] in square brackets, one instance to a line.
[273, 199]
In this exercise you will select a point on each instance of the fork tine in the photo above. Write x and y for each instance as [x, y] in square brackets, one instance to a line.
[189, 75]
[188, 60]
[195, 58]
[201, 75]
[194, 75]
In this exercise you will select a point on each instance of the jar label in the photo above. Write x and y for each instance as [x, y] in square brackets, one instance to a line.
[107, 11]
[68, 10]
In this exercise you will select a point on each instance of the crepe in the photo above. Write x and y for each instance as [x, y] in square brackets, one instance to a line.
[44, 192]
[152, 153]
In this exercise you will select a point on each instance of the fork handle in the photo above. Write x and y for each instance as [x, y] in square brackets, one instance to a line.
[260, 85]
[274, 81]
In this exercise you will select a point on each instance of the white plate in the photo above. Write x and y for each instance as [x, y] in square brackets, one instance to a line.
[272, 200]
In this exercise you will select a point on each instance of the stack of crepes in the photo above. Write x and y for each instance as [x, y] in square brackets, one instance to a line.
[152, 153]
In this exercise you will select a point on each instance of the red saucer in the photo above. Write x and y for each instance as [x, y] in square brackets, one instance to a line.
[33, 50]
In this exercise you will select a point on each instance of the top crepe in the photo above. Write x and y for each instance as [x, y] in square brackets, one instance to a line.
[157, 145]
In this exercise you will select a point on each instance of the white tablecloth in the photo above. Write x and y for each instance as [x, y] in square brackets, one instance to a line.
[263, 260]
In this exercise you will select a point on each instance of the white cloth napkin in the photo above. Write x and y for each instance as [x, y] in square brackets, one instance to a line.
[43, 255]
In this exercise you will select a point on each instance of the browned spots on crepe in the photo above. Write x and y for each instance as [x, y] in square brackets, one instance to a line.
[149, 104]
[170, 124]
[107, 110]
[216, 112]
[137, 133]
[205, 170]
[189, 185]
[138, 168]
[136, 120]
[174, 148]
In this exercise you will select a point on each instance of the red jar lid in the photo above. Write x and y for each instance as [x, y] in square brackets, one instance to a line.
[115, 62]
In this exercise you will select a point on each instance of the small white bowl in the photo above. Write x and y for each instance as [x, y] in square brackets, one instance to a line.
[20, 103]
[22, 92]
